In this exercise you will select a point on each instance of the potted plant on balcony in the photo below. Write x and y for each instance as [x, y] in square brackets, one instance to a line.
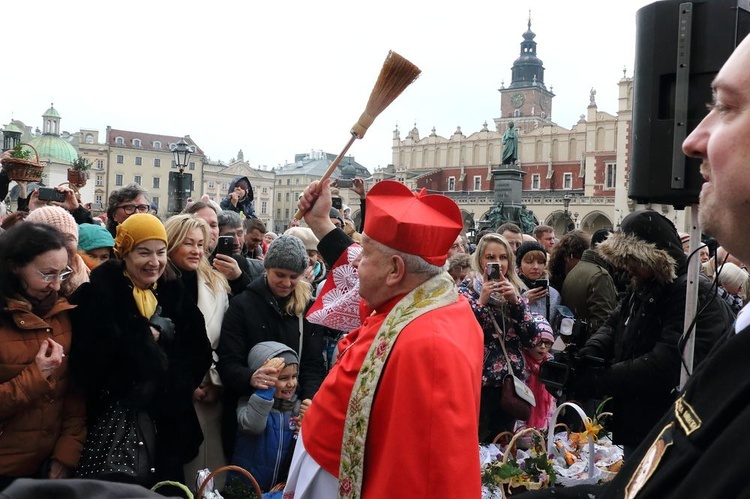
[78, 173]
[19, 166]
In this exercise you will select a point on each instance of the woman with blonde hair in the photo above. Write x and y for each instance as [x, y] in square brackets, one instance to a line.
[272, 308]
[188, 238]
[493, 291]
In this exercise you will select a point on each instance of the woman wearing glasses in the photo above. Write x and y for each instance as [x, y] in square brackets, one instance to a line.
[141, 348]
[42, 424]
[125, 202]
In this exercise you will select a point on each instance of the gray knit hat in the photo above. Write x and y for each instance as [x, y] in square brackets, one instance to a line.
[268, 350]
[287, 252]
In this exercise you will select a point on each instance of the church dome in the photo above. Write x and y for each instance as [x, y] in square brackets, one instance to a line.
[54, 148]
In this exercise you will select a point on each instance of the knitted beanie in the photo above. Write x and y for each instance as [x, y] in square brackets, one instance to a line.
[334, 213]
[268, 350]
[286, 252]
[93, 236]
[306, 235]
[135, 229]
[545, 330]
[57, 216]
[527, 247]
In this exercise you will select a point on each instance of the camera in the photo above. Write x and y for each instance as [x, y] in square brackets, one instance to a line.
[344, 183]
[225, 245]
[50, 194]
[557, 374]
[336, 202]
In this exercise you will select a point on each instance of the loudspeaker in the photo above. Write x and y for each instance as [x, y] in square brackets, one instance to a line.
[680, 46]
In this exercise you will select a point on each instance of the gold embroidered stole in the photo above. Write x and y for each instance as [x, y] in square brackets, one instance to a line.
[434, 293]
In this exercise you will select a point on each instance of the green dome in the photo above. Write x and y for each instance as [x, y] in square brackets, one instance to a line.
[53, 147]
[51, 113]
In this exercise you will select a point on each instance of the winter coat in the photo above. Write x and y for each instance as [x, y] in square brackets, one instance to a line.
[115, 356]
[254, 316]
[589, 291]
[266, 437]
[244, 205]
[39, 418]
[640, 338]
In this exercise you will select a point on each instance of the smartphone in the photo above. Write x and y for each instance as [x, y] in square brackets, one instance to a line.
[336, 202]
[50, 194]
[344, 183]
[493, 272]
[541, 283]
[225, 245]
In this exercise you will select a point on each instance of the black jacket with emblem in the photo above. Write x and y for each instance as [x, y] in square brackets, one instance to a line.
[114, 355]
[640, 338]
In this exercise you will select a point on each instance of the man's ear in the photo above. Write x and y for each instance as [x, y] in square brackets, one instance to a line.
[396, 270]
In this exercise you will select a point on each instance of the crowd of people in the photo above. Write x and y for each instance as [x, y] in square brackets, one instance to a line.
[334, 360]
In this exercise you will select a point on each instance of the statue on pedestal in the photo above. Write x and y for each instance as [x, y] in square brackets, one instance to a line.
[527, 221]
[510, 145]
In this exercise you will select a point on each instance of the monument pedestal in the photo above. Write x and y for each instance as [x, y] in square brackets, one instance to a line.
[508, 190]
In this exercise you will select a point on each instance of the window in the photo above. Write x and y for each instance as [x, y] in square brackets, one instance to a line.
[278, 196]
[192, 165]
[610, 175]
[155, 201]
[138, 161]
[99, 180]
[174, 165]
[535, 181]
[263, 207]
[120, 159]
[451, 183]
[100, 164]
[225, 186]
[286, 214]
[477, 182]
[98, 199]
[118, 179]
[155, 183]
[568, 181]
[157, 162]
[288, 181]
[211, 184]
[264, 190]
[157, 144]
[278, 212]
[137, 142]
[120, 141]
[137, 179]
[296, 181]
[288, 195]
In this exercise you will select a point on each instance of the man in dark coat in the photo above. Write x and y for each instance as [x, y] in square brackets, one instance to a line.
[640, 339]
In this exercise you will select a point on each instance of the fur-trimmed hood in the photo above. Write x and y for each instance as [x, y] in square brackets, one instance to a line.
[646, 239]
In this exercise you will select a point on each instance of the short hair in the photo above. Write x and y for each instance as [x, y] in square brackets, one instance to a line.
[21, 244]
[572, 244]
[198, 206]
[510, 227]
[599, 236]
[251, 224]
[414, 264]
[230, 218]
[459, 261]
[119, 196]
[539, 230]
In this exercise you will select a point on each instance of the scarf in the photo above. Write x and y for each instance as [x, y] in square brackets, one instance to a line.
[436, 292]
[41, 308]
[145, 299]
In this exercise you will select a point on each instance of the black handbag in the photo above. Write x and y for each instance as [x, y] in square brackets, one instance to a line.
[120, 446]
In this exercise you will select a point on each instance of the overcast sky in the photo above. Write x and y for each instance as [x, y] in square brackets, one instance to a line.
[275, 78]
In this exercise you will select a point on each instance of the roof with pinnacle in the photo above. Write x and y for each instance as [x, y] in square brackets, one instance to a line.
[51, 112]
[53, 147]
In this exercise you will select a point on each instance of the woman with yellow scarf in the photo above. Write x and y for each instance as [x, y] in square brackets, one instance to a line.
[141, 351]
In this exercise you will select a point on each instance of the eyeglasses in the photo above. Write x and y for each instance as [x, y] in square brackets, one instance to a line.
[51, 276]
[129, 209]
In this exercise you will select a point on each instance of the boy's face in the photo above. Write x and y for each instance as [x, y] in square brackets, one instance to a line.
[540, 351]
[286, 384]
[240, 191]
[99, 255]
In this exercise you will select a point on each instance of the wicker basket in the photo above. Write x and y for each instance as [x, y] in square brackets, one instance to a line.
[229, 467]
[23, 169]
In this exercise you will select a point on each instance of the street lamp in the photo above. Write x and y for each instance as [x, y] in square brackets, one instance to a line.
[181, 152]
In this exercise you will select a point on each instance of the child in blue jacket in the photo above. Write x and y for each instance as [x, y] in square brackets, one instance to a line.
[268, 420]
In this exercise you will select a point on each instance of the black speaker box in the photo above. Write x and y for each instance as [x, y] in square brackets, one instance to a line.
[680, 46]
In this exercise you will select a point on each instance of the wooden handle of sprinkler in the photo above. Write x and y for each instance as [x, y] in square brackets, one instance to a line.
[331, 168]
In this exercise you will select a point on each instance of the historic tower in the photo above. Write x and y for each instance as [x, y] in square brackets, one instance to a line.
[526, 101]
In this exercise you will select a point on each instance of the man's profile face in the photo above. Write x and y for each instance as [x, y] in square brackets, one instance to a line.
[547, 240]
[237, 233]
[722, 141]
[514, 239]
[372, 266]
